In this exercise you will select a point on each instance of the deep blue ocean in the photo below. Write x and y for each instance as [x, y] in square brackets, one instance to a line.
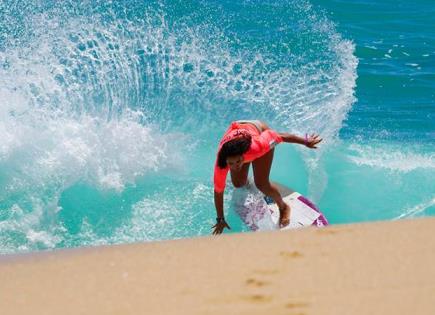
[111, 112]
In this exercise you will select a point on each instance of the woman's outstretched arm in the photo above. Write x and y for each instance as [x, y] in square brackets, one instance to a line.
[309, 141]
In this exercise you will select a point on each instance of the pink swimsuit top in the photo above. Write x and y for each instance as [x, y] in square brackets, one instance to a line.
[261, 144]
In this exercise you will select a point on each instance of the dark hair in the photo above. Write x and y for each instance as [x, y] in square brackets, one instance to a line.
[233, 147]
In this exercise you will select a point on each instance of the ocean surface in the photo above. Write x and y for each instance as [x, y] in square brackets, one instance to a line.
[111, 111]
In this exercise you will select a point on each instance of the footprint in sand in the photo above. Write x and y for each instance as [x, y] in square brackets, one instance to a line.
[296, 305]
[332, 231]
[293, 254]
[257, 298]
[256, 283]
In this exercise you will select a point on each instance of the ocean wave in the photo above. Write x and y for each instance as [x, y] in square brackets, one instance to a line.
[106, 94]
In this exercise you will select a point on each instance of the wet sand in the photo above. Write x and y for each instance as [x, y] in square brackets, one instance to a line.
[372, 268]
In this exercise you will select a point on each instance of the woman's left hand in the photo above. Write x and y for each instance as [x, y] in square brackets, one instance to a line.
[219, 227]
[312, 141]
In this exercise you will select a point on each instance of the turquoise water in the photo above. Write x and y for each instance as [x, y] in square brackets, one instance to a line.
[110, 112]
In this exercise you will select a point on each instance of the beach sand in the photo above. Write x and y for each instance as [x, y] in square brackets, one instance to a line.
[372, 268]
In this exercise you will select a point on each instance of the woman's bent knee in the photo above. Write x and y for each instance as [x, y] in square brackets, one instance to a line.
[238, 184]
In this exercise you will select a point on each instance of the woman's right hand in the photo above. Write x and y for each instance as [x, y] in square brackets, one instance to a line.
[312, 141]
[219, 227]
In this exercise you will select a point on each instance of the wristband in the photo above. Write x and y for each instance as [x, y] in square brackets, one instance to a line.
[220, 220]
[306, 139]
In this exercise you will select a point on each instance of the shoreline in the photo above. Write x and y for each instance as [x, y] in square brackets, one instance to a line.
[364, 268]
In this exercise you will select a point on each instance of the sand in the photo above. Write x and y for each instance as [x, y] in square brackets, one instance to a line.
[373, 268]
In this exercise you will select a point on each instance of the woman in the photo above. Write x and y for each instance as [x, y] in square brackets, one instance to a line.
[244, 142]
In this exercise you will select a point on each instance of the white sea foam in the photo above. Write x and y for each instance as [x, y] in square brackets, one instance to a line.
[31, 227]
[416, 210]
[166, 215]
[391, 158]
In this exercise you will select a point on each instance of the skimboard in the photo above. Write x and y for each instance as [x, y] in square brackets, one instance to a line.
[259, 212]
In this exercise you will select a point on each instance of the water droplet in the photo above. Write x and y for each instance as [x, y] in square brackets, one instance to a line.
[188, 67]
[81, 47]
[237, 68]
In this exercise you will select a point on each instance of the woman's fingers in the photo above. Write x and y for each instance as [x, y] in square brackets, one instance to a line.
[219, 227]
[313, 141]
[215, 229]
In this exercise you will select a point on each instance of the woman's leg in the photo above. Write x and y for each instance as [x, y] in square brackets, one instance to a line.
[260, 125]
[240, 178]
[262, 168]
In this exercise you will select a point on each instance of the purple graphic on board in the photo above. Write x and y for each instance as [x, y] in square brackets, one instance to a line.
[321, 220]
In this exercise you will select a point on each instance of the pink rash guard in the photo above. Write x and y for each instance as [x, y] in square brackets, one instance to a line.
[261, 144]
